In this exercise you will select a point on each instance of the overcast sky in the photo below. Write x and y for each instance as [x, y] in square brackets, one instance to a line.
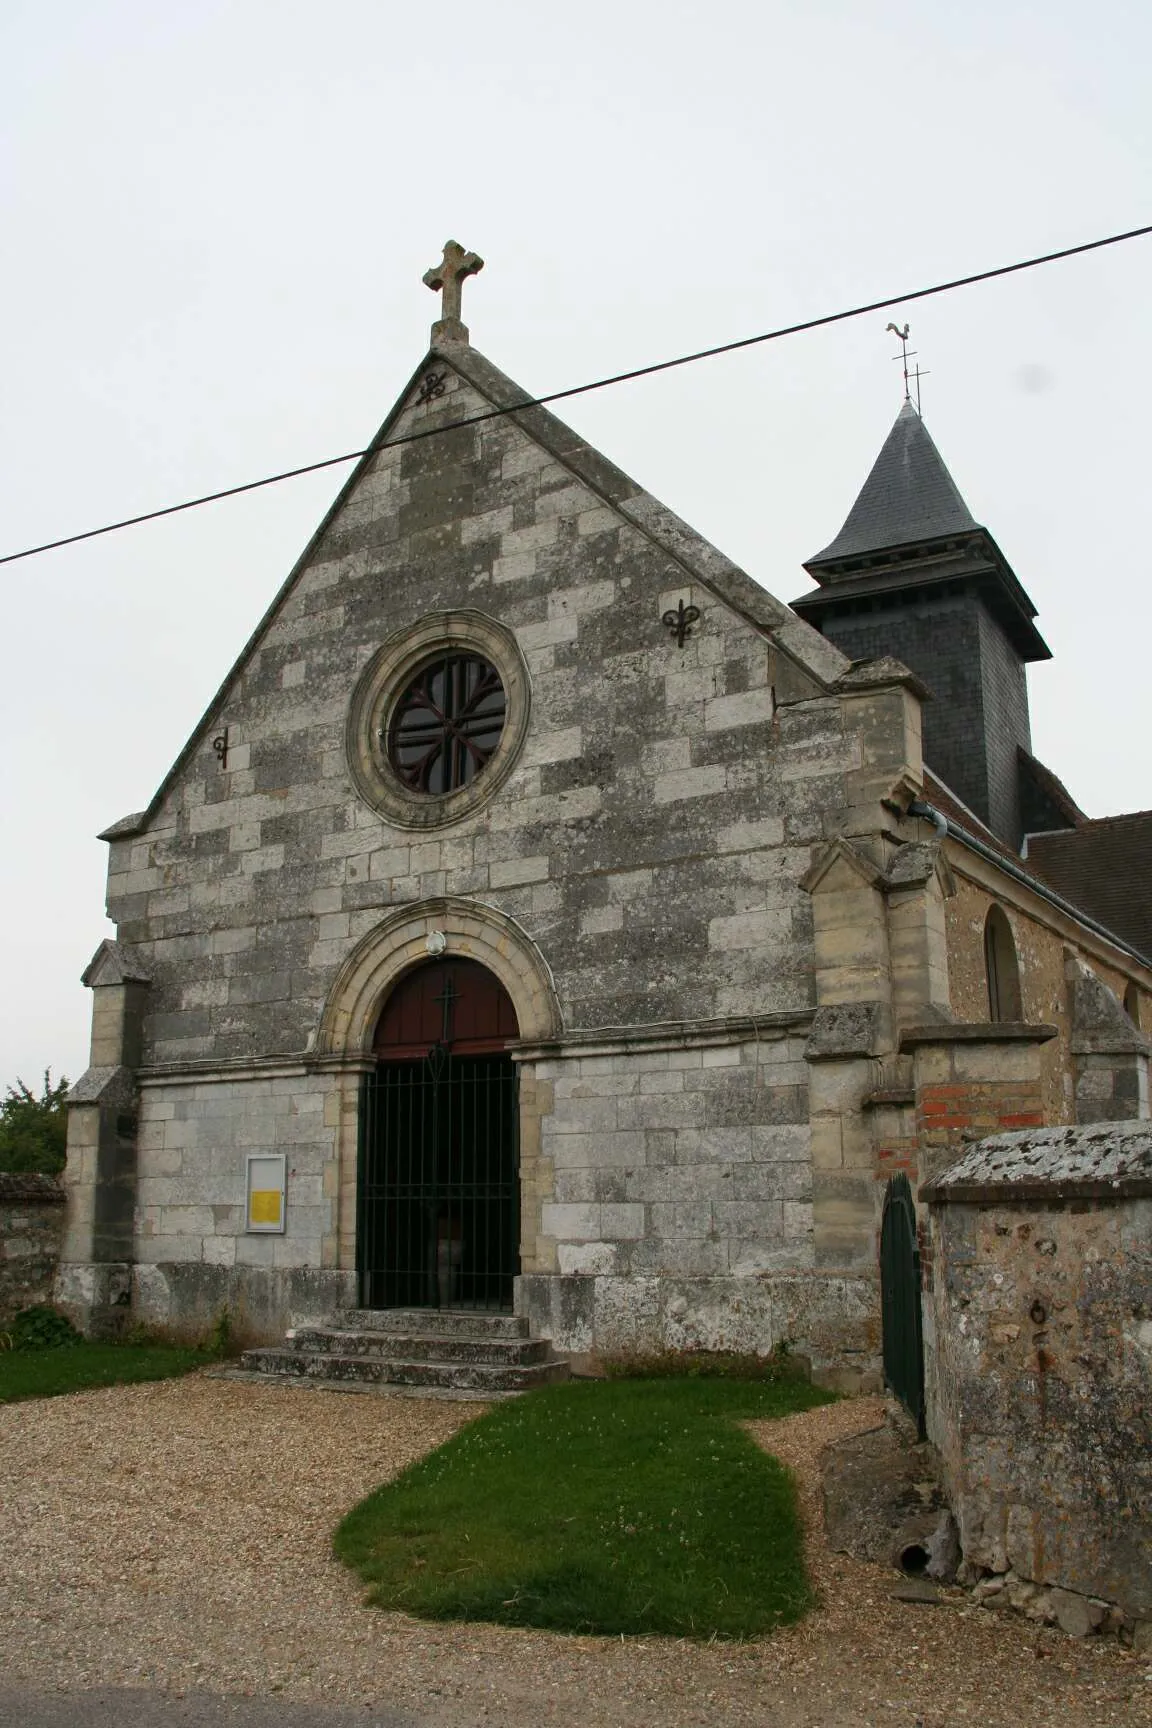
[215, 219]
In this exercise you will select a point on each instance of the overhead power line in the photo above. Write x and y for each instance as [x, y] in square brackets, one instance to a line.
[585, 389]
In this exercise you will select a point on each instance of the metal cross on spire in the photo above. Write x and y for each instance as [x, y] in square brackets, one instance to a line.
[447, 279]
[904, 356]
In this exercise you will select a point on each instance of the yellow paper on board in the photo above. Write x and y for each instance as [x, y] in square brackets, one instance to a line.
[264, 1206]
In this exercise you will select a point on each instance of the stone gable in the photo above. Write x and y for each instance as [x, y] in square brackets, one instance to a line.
[651, 836]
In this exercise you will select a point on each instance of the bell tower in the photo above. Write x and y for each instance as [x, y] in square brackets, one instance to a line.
[914, 575]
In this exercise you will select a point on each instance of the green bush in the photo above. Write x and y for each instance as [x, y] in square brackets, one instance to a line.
[34, 1131]
[41, 1327]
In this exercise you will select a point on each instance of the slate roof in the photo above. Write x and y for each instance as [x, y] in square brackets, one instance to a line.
[1048, 787]
[908, 497]
[1104, 866]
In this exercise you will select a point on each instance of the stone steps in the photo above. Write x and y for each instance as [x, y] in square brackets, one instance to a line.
[419, 1347]
[433, 1322]
[447, 1353]
[384, 1371]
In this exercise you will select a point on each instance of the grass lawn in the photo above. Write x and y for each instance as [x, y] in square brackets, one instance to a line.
[626, 1506]
[47, 1373]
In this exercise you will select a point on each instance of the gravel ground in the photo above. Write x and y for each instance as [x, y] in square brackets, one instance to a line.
[176, 1536]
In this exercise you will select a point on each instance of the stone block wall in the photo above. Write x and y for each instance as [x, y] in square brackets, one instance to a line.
[675, 1192]
[646, 842]
[192, 1252]
[31, 1228]
[642, 864]
[650, 837]
[1040, 1367]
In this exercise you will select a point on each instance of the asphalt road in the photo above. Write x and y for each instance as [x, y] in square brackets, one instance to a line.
[138, 1708]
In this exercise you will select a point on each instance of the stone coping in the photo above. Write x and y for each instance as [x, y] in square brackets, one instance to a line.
[1092, 1161]
[249, 1068]
[890, 1096]
[977, 1032]
[113, 963]
[23, 1186]
[581, 1041]
[667, 1035]
[1053, 1193]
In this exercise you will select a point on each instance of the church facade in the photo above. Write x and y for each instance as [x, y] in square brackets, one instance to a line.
[545, 917]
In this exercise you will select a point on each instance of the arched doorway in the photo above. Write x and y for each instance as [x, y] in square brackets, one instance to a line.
[438, 1196]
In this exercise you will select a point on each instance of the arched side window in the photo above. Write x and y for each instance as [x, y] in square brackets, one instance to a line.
[1001, 967]
[1132, 1001]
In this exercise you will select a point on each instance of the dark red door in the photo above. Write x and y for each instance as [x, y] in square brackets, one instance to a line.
[456, 1003]
[439, 1196]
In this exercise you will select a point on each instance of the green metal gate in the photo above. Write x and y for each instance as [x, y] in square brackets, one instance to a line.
[439, 1197]
[900, 1300]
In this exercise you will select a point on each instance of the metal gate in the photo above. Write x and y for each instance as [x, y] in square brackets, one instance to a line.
[439, 1194]
[900, 1300]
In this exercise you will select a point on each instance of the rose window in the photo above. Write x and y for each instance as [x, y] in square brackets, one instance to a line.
[447, 724]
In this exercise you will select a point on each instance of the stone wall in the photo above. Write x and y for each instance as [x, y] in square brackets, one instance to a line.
[1040, 1364]
[191, 1238]
[643, 850]
[1045, 939]
[31, 1226]
[651, 835]
[677, 1205]
[687, 863]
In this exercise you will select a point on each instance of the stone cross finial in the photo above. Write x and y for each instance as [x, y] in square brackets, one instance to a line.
[448, 277]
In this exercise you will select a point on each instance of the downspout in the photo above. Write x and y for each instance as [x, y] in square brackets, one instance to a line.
[930, 814]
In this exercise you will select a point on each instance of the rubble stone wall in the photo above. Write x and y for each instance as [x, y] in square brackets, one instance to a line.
[31, 1227]
[1044, 938]
[1040, 1373]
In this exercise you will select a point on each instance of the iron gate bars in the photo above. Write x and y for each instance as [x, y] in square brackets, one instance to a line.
[438, 1201]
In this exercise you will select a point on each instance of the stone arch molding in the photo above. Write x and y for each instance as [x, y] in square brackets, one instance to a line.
[472, 931]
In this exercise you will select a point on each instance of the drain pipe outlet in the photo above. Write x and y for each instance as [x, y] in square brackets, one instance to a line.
[930, 814]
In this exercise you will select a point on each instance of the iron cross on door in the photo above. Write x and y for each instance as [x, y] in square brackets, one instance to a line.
[448, 999]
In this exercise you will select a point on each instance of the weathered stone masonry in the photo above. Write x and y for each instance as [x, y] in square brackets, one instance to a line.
[693, 873]
[31, 1222]
[1039, 1339]
[647, 848]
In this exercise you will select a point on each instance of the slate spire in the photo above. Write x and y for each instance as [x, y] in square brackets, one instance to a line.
[913, 575]
[908, 498]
